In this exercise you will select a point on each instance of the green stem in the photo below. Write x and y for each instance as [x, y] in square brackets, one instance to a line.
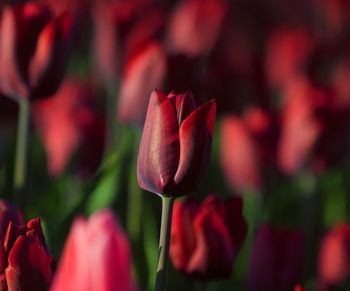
[22, 146]
[164, 243]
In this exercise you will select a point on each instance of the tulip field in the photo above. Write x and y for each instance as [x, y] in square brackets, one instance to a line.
[193, 145]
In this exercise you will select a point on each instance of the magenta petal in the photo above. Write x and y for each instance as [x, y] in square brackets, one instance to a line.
[195, 146]
[185, 105]
[159, 148]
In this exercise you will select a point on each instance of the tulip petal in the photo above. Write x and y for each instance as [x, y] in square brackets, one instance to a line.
[159, 148]
[185, 105]
[195, 146]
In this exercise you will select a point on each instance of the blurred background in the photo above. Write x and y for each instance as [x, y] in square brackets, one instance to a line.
[280, 74]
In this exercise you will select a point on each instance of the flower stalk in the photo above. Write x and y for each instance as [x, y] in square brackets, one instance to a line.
[164, 243]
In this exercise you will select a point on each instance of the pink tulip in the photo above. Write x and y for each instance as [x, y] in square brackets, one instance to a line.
[96, 256]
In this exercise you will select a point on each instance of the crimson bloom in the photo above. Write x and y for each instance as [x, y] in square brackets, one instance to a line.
[34, 49]
[176, 144]
[8, 212]
[206, 238]
[334, 256]
[96, 256]
[26, 263]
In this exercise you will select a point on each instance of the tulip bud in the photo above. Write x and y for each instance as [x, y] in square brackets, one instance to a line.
[96, 257]
[8, 212]
[334, 256]
[206, 238]
[176, 144]
[34, 49]
[26, 263]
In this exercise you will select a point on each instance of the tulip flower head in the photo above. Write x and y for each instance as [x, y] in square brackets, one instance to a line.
[206, 238]
[96, 257]
[34, 49]
[176, 144]
[26, 263]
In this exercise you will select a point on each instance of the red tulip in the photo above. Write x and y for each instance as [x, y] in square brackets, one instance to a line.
[206, 238]
[176, 144]
[239, 157]
[96, 257]
[276, 259]
[300, 127]
[8, 212]
[195, 26]
[34, 49]
[64, 121]
[26, 263]
[299, 288]
[334, 256]
[144, 72]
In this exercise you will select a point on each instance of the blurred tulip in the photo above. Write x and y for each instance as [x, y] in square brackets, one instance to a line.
[26, 263]
[96, 256]
[300, 127]
[299, 288]
[238, 153]
[195, 26]
[143, 72]
[64, 121]
[276, 259]
[176, 144]
[34, 49]
[334, 256]
[286, 54]
[206, 238]
[8, 212]
[121, 28]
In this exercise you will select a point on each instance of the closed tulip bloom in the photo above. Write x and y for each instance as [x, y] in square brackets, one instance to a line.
[96, 256]
[8, 212]
[334, 256]
[143, 72]
[25, 263]
[34, 49]
[176, 144]
[206, 238]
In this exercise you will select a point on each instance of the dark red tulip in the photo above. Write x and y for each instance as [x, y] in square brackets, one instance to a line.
[8, 212]
[276, 260]
[195, 26]
[239, 157]
[26, 263]
[143, 72]
[176, 144]
[34, 49]
[206, 238]
[96, 257]
[334, 256]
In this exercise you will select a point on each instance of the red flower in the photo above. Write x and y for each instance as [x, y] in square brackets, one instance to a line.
[34, 49]
[8, 212]
[25, 262]
[96, 257]
[276, 259]
[206, 238]
[176, 144]
[239, 157]
[334, 256]
[66, 121]
[195, 26]
[143, 72]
